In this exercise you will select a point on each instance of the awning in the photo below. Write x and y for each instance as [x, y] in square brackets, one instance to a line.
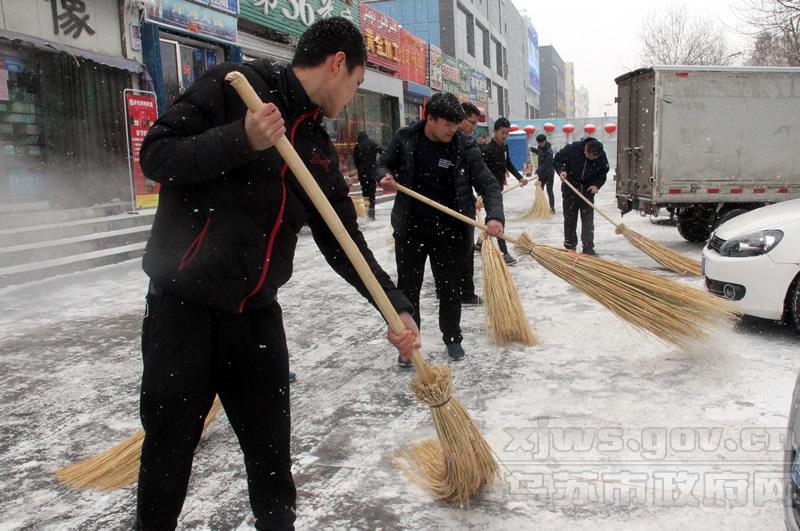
[416, 89]
[50, 46]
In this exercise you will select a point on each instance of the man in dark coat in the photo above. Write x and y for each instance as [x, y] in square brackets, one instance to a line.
[222, 244]
[584, 164]
[544, 168]
[495, 155]
[365, 156]
[435, 159]
[468, 295]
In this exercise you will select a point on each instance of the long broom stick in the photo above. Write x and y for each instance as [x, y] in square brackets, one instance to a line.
[667, 309]
[665, 256]
[462, 461]
[118, 466]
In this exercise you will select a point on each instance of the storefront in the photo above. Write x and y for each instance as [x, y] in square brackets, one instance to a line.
[181, 39]
[414, 73]
[62, 135]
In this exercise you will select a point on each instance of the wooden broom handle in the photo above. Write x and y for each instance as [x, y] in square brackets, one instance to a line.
[449, 211]
[516, 185]
[566, 181]
[312, 189]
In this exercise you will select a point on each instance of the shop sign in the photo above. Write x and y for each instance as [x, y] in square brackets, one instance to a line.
[464, 80]
[413, 58]
[382, 38]
[293, 17]
[192, 18]
[477, 89]
[141, 112]
[434, 67]
[451, 80]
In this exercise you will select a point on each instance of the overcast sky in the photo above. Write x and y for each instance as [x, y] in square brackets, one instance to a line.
[602, 37]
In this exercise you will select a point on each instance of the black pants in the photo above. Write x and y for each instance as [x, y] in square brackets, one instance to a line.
[367, 188]
[572, 206]
[468, 265]
[191, 353]
[446, 251]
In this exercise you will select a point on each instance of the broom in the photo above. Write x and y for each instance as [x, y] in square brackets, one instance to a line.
[116, 467]
[669, 310]
[540, 209]
[358, 204]
[461, 462]
[665, 256]
[505, 315]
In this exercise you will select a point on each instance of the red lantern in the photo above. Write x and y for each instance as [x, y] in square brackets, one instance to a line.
[529, 130]
[611, 128]
[589, 129]
[568, 128]
[549, 128]
[513, 128]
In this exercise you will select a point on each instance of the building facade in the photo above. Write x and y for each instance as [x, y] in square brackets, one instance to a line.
[553, 79]
[569, 89]
[582, 102]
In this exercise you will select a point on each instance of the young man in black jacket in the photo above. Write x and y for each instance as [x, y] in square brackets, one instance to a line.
[495, 155]
[365, 156]
[544, 169]
[435, 159]
[221, 245]
[468, 295]
[584, 164]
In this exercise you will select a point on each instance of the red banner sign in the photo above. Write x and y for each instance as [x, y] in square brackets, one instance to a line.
[382, 37]
[413, 58]
[141, 113]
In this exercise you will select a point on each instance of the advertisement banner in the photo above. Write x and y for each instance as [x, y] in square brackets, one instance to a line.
[140, 113]
[293, 17]
[434, 67]
[413, 58]
[192, 18]
[451, 79]
[464, 81]
[382, 38]
[477, 89]
[533, 58]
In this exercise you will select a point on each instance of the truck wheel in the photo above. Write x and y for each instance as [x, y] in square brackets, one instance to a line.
[694, 229]
[727, 215]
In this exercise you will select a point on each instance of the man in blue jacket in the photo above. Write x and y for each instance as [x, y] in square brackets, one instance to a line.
[585, 166]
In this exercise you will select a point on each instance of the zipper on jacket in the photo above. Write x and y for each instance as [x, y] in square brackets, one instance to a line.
[276, 227]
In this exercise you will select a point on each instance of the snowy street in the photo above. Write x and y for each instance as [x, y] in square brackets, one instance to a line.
[601, 426]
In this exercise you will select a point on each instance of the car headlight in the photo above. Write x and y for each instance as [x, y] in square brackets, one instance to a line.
[754, 244]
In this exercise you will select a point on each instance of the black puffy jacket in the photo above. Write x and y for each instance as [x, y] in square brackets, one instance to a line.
[581, 172]
[470, 172]
[226, 226]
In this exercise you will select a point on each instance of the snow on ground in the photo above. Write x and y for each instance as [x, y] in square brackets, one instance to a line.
[601, 426]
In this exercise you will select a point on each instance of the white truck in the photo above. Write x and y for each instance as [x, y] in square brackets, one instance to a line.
[707, 143]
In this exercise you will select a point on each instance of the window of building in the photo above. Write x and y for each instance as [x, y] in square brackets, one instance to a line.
[487, 47]
[501, 104]
[498, 58]
[467, 22]
[505, 64]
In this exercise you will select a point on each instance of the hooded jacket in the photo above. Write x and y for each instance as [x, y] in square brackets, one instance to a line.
[226, 226]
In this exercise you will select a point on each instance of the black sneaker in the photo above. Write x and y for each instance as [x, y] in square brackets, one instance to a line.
[510, 260]
[371, 214]
[569, 247]
[292, 377]
[590, 252]
[455, 351]
[404, 364]
[472, 300]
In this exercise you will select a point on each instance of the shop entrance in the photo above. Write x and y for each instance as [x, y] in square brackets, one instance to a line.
[183, 61]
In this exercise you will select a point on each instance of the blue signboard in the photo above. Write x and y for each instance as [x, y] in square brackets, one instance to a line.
[229, 6]
[193, 18]
[533, 58]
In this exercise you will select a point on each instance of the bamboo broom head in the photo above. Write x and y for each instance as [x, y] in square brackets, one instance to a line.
[456, 465]
[665, 256]
[358, 204]
[505, 315]
[672, 311]
[540, 209]
[116, 467]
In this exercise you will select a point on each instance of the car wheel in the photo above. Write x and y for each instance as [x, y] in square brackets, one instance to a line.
[727, 215]
[794, 305]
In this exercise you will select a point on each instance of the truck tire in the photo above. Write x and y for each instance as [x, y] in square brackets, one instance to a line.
[696, 222]
[727, 215]
[694, 229]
